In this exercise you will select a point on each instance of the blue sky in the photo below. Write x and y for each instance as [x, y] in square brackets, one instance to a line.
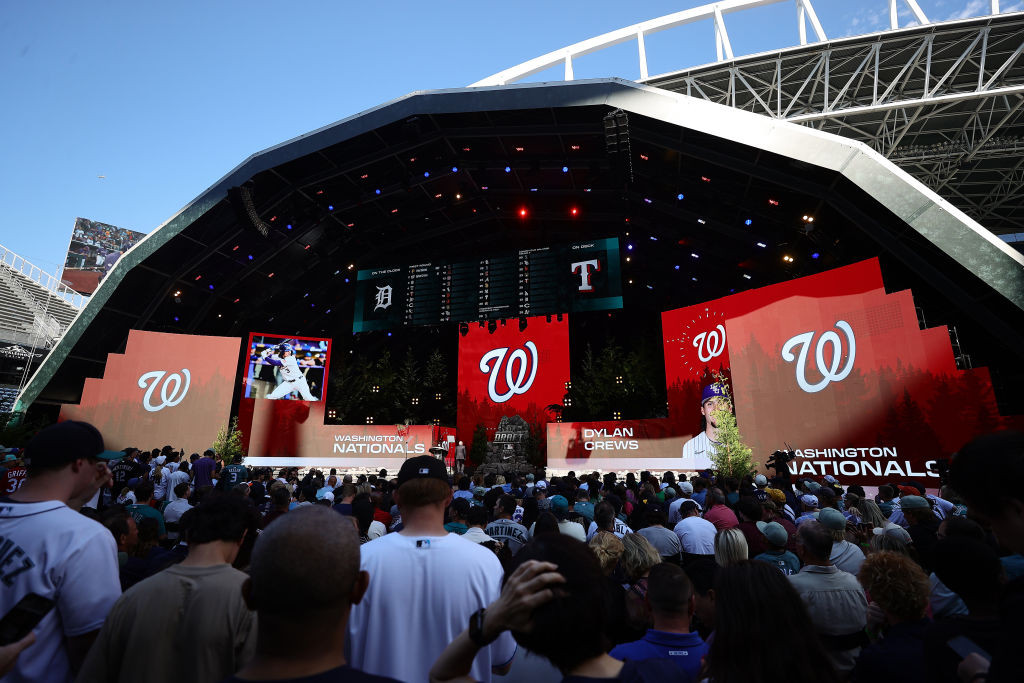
[164, 99]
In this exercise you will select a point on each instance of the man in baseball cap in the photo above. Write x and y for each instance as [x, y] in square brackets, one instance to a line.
[776, 537]
[413, 572]
[845, 555]
[60, 554]
[697, 451]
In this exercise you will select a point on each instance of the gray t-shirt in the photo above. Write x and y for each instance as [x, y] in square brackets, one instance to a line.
[664, 540]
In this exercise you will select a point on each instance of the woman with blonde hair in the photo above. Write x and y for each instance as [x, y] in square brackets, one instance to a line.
[608, 549]
[730, 547]
[870, 513]
[638, 557]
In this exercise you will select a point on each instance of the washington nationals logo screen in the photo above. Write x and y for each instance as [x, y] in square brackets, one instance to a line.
[508, 369]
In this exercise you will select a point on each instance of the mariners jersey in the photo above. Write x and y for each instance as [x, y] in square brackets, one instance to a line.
[49, 549]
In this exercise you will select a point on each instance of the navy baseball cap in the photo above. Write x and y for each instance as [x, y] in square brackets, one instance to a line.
[422, 467]
[65, 442]
[711, 391]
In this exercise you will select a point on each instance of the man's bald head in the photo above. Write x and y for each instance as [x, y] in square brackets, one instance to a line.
[309, 556]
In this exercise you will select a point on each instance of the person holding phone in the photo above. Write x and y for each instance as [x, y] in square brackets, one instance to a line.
[56, 553]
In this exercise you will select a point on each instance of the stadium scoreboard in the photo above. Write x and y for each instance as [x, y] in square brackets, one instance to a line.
[582, 276]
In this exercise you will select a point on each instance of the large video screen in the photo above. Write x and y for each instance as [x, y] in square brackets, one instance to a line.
[509, 376]
[583, 276]
[286, 368]
[173, 389]
[95, 248]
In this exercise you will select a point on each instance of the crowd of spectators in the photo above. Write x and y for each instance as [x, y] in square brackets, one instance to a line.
[166, 567]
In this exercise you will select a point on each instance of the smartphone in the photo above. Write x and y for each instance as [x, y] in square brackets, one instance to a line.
[964, 646]
[23, 617]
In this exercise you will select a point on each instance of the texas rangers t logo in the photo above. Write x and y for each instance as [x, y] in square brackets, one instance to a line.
[518, 384]
[584, 268]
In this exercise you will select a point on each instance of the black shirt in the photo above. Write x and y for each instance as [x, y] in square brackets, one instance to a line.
[123, 470]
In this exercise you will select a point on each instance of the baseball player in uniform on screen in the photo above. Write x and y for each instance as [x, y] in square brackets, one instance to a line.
[283, 356]
[697, 451]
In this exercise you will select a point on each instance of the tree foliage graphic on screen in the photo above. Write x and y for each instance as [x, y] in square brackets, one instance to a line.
[229, 442]
[478, 448]
[732, 457]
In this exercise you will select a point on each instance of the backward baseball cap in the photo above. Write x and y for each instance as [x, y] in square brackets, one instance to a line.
[422, 467]
[65, 442]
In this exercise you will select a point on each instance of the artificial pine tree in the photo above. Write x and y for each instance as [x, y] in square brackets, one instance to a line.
[732, 457]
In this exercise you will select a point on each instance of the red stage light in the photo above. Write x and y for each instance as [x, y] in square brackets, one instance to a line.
[273, 218]
[773, 202]
[198, 278]
[364, 176]
[705, 179]
[235, 248]
[574, 211]
[575, 148]
[522, 212]
[645, 157]
[237, 300]
[271, 275]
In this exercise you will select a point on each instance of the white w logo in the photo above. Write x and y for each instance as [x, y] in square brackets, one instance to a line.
[516, 385]
[715, 344]
[828, 372]
[169, 396]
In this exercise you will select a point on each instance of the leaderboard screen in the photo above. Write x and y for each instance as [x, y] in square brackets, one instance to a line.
[583, 276]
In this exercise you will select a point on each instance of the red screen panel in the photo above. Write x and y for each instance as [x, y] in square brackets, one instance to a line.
[166, 389]
[511, 372]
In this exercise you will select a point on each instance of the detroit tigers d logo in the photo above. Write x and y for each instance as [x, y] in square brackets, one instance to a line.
[518, 380]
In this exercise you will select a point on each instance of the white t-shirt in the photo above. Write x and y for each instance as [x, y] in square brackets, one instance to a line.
[674, 517]
[176, 477]
[174, 510]
[53, 551]
[620, 529]
[574, 529]
[697, 535]
[697, 453]
[160, 487]
[410, 612]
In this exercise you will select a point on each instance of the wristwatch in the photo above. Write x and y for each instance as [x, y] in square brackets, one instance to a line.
[476, 629]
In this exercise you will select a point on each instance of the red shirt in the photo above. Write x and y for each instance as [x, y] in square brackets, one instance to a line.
[722, 517]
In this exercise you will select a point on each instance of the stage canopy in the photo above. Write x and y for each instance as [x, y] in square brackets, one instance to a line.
[707, 199]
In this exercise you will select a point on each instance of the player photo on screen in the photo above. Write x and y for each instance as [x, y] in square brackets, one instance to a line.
[286, 367]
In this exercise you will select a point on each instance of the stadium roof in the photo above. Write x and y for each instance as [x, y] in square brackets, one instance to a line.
[944, 101]
[445, 174]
